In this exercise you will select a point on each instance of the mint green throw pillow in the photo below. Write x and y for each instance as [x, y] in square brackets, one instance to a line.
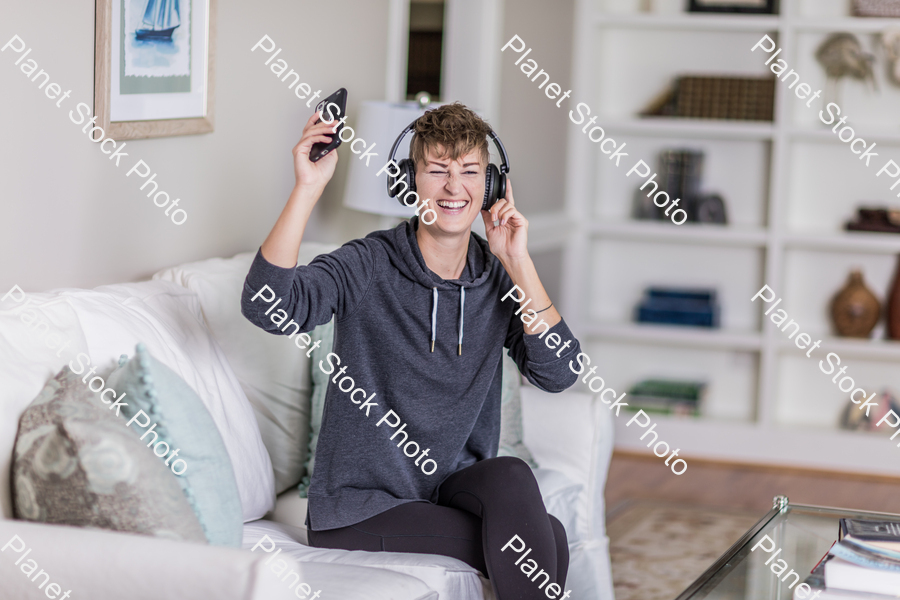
[325, 334]
[182, 423]
[511, 430]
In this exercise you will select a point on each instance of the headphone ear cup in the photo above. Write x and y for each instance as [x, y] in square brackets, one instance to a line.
[401, 184]
[491, 181]
[501, 186]
[409, 168]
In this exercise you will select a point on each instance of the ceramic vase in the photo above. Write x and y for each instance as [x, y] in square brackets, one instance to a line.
[855, 309]
[892, 310]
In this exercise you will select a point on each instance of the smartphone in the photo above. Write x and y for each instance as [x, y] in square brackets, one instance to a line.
[332, 108]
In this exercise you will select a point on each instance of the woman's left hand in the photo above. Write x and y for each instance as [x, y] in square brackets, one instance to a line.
[509, 239]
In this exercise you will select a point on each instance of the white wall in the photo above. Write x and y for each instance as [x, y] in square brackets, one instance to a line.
[472, 32]
[476, 73]
[69, 218]
[531, 126]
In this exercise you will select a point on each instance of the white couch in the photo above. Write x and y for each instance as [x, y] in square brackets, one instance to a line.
[189, 328]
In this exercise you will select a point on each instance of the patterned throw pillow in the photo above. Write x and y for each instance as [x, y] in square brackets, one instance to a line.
[175, 416]
[76, 463]
[511, 432]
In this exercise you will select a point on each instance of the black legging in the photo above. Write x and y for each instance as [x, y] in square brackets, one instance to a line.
[479, 510]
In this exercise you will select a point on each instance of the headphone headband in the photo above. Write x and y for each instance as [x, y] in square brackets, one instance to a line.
[504, 159]
[400, 139]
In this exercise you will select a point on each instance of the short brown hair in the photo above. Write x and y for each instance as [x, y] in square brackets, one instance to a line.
[452, 129]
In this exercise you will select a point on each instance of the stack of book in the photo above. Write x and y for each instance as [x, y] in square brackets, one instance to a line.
[864, 564]
[676, 306]
[680, 174]
[680, 171]
[663, 396]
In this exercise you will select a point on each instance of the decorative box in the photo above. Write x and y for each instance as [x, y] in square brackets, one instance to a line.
[876, 8]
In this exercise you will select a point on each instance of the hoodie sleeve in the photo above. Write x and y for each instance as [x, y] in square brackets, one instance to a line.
[543, 359]
[332, 284]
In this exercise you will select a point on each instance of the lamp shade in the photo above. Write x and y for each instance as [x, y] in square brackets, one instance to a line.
[378, 123]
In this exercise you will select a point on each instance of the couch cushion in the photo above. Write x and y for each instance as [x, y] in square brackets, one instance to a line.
[175, 417]
[108, 321]
[449, 577]
[290, 509]
[342, 582]
[275, 377]
[589, 571]
[77, 463]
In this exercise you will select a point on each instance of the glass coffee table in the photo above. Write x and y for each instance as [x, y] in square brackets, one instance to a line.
[803, 533]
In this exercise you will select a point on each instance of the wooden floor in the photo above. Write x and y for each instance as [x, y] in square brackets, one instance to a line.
[727, 485]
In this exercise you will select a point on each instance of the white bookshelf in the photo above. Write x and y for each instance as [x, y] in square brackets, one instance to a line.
[789, 186]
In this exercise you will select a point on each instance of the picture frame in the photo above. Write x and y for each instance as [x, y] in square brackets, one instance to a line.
[767, 7]
[154, 67]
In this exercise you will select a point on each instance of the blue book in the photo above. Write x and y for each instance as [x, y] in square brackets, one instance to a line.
[675, 306]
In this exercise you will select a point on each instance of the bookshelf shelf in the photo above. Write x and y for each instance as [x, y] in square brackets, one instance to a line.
[739, 441]
[694, 128]
[851, 348]
[689, 233]
[694, 337]
[852, 24]
[857, 241]
[688, 22]
[789, 186]
[890, 134]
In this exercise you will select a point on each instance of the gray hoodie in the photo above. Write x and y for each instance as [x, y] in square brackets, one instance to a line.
[389, 307]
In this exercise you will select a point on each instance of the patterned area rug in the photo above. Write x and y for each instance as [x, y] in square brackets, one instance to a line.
[657, 550]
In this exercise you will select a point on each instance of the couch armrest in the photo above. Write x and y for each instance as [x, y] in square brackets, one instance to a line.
[572, 432]
[106, 565]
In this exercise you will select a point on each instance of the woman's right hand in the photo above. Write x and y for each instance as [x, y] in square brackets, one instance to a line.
[314, 174]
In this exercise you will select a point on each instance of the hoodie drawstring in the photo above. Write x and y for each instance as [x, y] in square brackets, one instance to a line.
[434, 318]
[462, 308]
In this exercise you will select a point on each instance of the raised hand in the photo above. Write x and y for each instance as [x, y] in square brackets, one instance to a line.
[509, 238]
[314, 174]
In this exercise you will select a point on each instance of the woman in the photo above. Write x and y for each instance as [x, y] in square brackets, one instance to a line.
[403, 300]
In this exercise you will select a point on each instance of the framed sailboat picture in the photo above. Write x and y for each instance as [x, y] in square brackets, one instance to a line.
[154, 69]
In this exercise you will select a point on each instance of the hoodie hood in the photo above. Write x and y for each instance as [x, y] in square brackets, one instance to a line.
[403, 249]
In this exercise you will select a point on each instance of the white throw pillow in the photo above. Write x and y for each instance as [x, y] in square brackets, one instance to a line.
[572, 433]
[560, 496]
[167, 319]
[274, 375]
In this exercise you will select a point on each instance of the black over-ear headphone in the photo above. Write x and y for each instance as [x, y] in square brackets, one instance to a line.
[494, 178]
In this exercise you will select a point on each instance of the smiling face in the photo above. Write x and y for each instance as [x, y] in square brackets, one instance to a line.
[455, 187]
